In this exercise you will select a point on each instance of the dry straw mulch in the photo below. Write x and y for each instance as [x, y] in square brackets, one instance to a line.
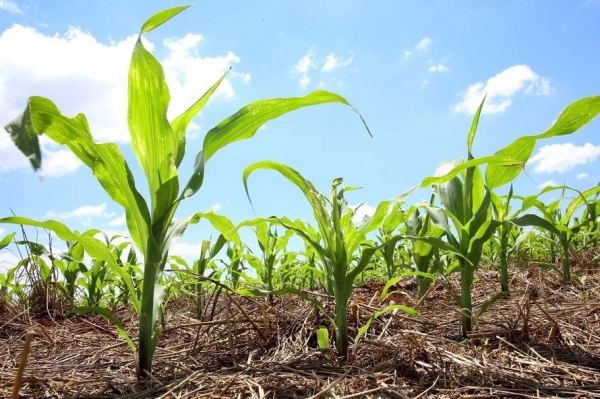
[542, 341]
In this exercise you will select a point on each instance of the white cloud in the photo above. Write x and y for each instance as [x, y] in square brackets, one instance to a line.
[439, 68]
[547, 183]
[303, 67]
[362, 211]
[304, 81]
[185, 250]
[563, 157]
[10, 6]
[81, 74]
[216, 207]
[582, 176]
[332, 62]
[120, 221]
[501, 88]
[407, 54]
[84, 214]
[190, 75]
[424, 43]
[59, 163]
[425, 83]
[7, 261]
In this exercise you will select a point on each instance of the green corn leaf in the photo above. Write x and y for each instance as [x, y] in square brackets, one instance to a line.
[221, 223]
[316, 200]
[161, 17]
[245, 123]
[6, 240]
[181, 123]
[35, 248]
[485, 306]
[474, 125]
[323, 338]
[572, 118]
[152, 138]
[105, 160]
[500, 160]
[379, 313]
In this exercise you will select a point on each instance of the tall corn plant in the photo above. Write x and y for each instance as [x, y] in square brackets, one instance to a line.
[159, 145]
[341, 241]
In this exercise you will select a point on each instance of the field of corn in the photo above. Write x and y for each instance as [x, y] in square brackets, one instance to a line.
[477, 293]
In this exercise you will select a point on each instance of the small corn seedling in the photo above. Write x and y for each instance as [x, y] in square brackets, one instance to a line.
[340, 239]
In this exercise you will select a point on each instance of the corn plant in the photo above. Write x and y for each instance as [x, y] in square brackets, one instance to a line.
[466, 195]
[562, 221]
[385, 233]
[423, 253]
[159, 145]
[273, 253]
[341, 240]
[508, 224]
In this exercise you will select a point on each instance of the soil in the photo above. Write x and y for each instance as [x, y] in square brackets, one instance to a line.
[541, 341]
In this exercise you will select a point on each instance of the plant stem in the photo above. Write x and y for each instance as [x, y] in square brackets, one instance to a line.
[466, 305]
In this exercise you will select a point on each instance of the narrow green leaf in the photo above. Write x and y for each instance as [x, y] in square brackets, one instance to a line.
[474, 125]
[161, 17]
[105, 160]
[499, 160]
[316, 200]
[181, 123]
[379, 313]
[6, 240]
[244, 123]
[152, 137]
[572, 118]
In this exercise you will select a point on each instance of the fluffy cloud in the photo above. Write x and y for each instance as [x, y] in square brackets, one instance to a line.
[120, 221]
[308, 62]
[424, 44]
[563, 157]
[185, 250]
[10, 6]
[84, 214]
[439, 68]
[332, 62]
[303, 66]
[501, 89]
[582, 176]
[7, 261]
[81, 74]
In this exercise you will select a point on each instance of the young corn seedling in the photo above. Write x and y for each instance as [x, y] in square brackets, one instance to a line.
[506, 229]
[159, 145]
[340, 239]
[561, 222]
[422, 252]
[273, 249]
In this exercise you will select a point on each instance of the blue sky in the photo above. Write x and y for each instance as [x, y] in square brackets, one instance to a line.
[415, 70]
